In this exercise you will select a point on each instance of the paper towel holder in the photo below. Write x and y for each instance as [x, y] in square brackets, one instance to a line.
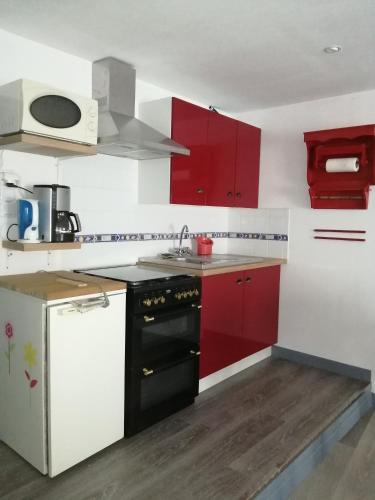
[340, 190]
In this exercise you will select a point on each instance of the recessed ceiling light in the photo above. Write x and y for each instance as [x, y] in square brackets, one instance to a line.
[332, 49]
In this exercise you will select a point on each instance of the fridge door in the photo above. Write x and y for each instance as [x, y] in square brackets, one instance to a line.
[22, 381]
[86, 372]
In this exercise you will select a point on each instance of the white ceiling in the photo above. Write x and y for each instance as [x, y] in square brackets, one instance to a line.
[234, 54]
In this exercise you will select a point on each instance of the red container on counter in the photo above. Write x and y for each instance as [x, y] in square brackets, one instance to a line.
[204, 245]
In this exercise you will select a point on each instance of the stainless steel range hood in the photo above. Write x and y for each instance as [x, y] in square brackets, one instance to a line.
[119, 132]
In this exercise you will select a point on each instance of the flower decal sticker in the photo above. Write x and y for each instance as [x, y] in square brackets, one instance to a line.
[29, 355]
[8, 331]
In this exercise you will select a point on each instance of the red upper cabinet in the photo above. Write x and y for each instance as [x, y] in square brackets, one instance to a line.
[247, 166]
[222, 145]
[223, 166]
[189, 174]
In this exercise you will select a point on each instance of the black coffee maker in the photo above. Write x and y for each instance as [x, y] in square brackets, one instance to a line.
[56, 222]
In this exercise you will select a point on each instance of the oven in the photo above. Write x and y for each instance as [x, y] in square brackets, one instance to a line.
[162, 351]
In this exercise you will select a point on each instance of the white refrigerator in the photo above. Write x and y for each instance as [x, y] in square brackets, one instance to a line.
[62, 371]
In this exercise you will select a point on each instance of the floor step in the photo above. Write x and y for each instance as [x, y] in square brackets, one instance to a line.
[358, 479]
[322, 483]
[304, 463]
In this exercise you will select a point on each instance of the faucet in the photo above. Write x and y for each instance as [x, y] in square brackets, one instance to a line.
[181, 250]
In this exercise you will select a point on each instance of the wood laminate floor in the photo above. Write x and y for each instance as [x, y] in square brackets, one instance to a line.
[232, 442]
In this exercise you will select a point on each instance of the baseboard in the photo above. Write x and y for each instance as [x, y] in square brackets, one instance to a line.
[213, 379]
[322, 363]
[284, 484]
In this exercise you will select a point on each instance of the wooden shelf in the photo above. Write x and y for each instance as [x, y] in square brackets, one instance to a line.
[46, 146]
[40, 247]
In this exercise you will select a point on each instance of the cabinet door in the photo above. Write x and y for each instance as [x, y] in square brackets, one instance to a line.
[261, 308]
[189, 173]
[222, 143]
[247, 166]
[221, 321]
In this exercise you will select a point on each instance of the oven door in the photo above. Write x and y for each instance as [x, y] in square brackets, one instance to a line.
[162, 336]
[156, 391]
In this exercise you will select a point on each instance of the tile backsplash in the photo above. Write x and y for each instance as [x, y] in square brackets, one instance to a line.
[124, 237]
[272, 225]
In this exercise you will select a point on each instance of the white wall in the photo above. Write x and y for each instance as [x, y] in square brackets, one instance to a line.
[22, 58]
[328, 287]
[104, 189]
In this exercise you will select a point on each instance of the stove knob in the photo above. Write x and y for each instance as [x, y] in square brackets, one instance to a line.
[162, 300]
[185, 295]
[156, 300]
[178, 296]
[190, 293]
[148, 302]
[196, 291]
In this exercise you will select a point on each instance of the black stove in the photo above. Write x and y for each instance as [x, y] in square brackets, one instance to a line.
[162, 342]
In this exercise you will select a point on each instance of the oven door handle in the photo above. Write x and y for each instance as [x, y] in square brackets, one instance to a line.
[147, 319]
[146, 372]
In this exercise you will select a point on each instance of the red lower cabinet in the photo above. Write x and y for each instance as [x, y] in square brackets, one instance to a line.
[221, 321]
[260, 308]
[239, 316]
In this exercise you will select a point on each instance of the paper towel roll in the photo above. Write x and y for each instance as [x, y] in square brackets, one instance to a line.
[342, 165]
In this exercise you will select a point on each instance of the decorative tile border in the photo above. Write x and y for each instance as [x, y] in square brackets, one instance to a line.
[125, 237]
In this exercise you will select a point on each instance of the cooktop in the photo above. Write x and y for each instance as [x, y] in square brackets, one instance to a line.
[134, 275]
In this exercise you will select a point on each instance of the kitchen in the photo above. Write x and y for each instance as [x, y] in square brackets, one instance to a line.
[324, 303]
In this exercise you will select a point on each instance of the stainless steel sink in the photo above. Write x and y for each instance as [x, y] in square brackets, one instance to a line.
[202, 262]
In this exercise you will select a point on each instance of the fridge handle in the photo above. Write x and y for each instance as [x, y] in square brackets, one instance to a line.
[85, 306]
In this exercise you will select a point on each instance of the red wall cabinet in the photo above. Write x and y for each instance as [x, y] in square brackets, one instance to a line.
[246, 182]
[223, 167]
[222, 147]
[239, 316]
[189, 174]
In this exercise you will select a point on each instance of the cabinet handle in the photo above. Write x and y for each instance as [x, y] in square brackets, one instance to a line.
[197, 353]
[239, 281]
[148, 318]
[197, 306]
[248, 279]
[229, 194]
[200, 190]
[147, 372]
[238, 195]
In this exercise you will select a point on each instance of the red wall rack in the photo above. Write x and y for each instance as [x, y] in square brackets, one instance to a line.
[343, 190]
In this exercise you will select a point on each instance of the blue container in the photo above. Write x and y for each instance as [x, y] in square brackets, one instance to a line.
[28, 215]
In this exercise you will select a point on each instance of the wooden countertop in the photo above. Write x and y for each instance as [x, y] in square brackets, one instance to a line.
[58, 284]
[266, 262]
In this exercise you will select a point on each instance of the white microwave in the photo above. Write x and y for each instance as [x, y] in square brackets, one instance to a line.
[35, 108]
